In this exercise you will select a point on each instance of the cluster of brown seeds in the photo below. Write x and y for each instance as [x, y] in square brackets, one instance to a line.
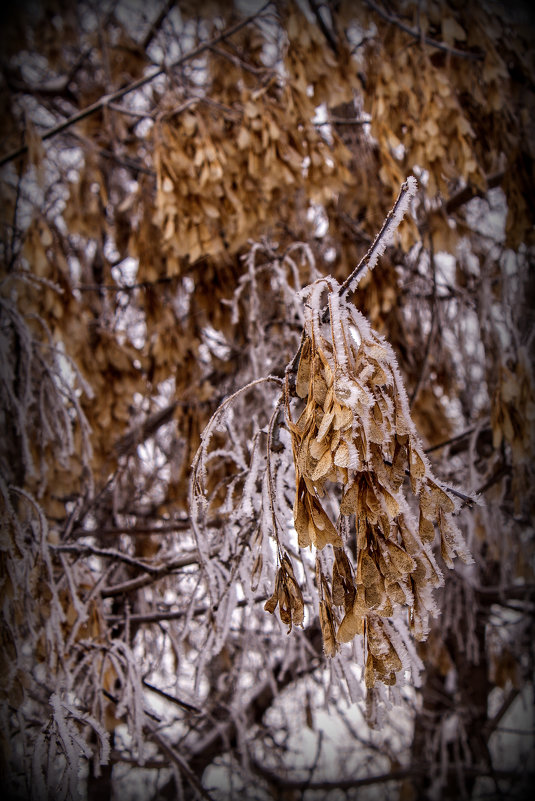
[355, 433]
[287, 595]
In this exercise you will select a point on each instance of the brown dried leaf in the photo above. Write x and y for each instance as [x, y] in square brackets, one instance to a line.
[341, 457]
[351, 625]
[319, 386]
[303, 371]
[395, 593]
[301, 520]
[369, 672]
[426, 529]
[323, 466]
[271, 603]
[325, 532]
[285, 606]
[416, 463]
[401, 560]
[373, 505]
[392, 506]
[330, 645]
[374, 596]
[349, 504]
[368, 572]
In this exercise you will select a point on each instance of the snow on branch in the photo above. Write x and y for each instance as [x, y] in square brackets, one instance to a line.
[385, 237]
[367, 508]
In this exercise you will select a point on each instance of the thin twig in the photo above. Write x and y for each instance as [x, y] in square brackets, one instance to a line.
[327, 32]
[172, 698]
[434, 321]
[406, 189]
[142, 581]
[106, 553]
[469, 192]
[453, 440]
[111, 98]
[342, 121]
[156, 25]
[477, 56]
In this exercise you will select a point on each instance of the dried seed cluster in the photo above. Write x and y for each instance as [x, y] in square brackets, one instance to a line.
[355, 433]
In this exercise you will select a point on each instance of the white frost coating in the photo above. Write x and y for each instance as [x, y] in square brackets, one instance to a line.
[339, 322]
[344, 670]
[405, 638]
[386, 235]
[397, 641]
[223, 617]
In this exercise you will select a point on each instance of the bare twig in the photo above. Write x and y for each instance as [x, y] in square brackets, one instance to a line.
[326, 31]
[156, 25]
[147, 429]
[453, 440]
[154, 575]
[172, 698]
[476, 56]
[106, 553]
[468, 192]
[493, 724]
[342, 121]
[434, 320]
[111, 98]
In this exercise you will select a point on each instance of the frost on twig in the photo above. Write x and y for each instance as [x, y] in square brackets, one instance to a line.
[366, 505]
[385, 236]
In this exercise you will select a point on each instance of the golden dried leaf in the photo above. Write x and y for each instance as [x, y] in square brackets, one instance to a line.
[401, 560]
[325, 425]
[349, 504]
[341, 457]
[426, 529]
[301, 521]
[368, 572]
[343, 417]
[317, 449]
[416, 464]
[351, 625]
[323, 466]
[330, 645]
[303, 371]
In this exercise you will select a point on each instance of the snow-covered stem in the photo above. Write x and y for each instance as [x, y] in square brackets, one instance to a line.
[384, 238]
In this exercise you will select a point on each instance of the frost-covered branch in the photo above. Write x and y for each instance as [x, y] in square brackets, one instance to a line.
[384, 238]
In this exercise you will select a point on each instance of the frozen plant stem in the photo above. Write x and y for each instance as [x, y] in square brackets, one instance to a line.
[384, 237]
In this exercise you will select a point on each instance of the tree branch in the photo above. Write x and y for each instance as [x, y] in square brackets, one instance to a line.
[476, 56]
[383, 238]
[326, 31]
[143, 581]
[469, 192]
[111, 98]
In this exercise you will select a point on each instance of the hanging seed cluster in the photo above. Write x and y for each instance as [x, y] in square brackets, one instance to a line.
[355, 433]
